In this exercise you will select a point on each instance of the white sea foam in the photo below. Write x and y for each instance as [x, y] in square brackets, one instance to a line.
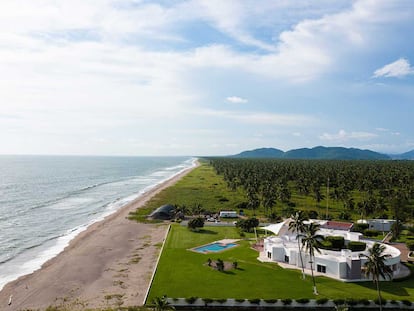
[32, 259]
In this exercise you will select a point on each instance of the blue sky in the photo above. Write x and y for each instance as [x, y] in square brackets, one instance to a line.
[208, 77]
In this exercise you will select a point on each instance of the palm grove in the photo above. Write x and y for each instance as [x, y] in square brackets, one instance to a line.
[352, 189]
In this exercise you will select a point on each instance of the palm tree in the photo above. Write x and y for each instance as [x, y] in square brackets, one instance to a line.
[161, 304]
[297, 225]
[375, 266]
[311, 242]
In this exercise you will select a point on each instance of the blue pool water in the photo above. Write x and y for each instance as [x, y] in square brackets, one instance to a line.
[214, 247]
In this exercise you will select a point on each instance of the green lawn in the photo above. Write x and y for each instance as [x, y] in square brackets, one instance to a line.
[183, 273]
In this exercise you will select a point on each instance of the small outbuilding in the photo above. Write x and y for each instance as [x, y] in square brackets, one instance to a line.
[164, 212]
[228, 214]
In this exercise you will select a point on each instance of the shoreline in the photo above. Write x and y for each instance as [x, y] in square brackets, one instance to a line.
[108, 264]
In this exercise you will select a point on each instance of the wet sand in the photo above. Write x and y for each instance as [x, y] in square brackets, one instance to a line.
[109, 264]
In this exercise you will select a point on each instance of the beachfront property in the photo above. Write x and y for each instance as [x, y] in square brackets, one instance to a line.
[344, 264]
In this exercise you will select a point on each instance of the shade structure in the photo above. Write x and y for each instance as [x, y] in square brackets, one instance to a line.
[275, 228]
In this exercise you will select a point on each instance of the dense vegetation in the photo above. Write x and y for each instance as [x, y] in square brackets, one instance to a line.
[351, 189]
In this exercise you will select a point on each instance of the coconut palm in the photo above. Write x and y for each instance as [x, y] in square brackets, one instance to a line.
[297, 225]
[161, 304]
[375, 266]
[311, 241]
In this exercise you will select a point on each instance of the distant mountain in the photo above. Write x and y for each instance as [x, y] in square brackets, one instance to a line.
[337, 153]
[261, 153]
[403, 156]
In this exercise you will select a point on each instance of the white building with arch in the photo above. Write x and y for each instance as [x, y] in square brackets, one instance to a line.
[343, 265]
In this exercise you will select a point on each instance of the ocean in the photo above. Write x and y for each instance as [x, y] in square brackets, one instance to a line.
[45, 201]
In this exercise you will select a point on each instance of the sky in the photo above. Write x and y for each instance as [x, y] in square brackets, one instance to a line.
[205, 77]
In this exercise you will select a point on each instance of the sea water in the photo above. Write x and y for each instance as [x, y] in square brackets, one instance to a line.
[45, 201]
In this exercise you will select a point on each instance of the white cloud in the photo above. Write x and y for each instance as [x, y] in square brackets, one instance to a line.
[260, 118]
[236, 100]
[399, 68]
[343, 136]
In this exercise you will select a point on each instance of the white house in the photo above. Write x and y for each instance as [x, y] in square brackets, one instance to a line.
[378, 224]
[343, 265]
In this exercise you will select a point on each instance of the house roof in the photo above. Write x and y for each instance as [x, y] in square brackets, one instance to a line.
[337, 225]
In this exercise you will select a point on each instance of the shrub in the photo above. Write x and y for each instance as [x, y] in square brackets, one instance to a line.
[383, 301]
[339, 302]
[360, 227]
[207, 300]
[196, 223]
[255, 301]
[190, 300]
[247, 225]
[271, 300]
[393, 302]
[322, 301]
[337, 242]
[364, 302]
[287, 301]
[410, 245]
[312, 214]
[302, 300]
[351, 301]
[356, 246]
[240, 300]
[371, 232]
[406, 302]
[221, 300]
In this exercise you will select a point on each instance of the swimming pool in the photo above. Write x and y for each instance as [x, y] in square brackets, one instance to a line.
[214, 247]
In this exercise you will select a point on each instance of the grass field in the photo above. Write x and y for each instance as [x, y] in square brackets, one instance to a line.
[184, 273]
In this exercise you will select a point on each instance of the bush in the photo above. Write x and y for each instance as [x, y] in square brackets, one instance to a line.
[339, 302]
[351, 301]
[410, 245]
[383, 301]
[222, 300]
[360, 227]
[393, 302]
[356, 246]
[302, 300]
[406, 302]
[364, 302]
[190, 300]
[286, 301]
[271, 300]
[247, 225]
[208, 300]
[322, 301]
[196, 223]
[337, 242]
[312, 214]
[371, 232]
[255, 301]
[240, 300]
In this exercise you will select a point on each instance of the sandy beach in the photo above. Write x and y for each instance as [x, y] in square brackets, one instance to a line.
[109, 264]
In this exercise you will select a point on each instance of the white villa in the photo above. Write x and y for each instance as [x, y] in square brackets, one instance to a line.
[345, 265]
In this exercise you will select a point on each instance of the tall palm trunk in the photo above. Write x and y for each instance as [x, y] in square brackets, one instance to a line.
[315, 291]
[301, 260]
[379, 294]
